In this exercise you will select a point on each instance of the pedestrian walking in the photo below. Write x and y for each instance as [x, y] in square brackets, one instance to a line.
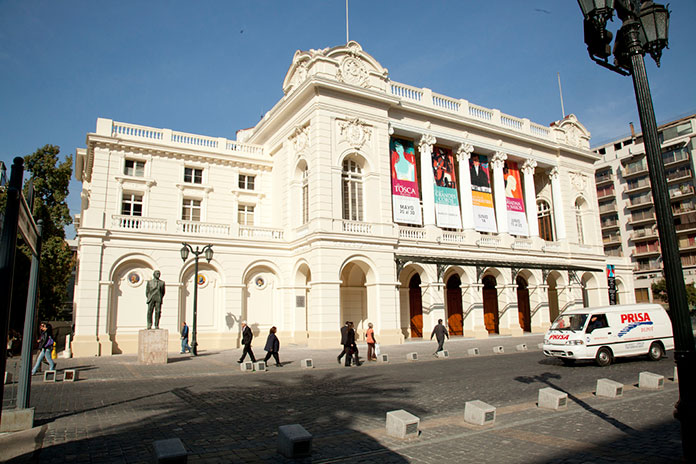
[440, 332]
[344, 336]
[352, 350]
[247, 336]
[45, 347]
[272, 347]
[184, 338]
[370, 338]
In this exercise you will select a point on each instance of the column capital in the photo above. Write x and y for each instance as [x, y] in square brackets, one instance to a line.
[498, 160]
[426, 143]
[464, 152]
[528, 167]
[554, 173]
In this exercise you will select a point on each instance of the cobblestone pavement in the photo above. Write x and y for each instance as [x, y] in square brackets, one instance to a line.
[118, 408]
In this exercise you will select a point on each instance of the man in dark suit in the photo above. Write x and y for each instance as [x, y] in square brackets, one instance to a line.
[344, 336]
[479, 178]
[351, 348]
[247, 336]
[440, 332]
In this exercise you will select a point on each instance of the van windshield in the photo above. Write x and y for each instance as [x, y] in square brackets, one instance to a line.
[569, 322]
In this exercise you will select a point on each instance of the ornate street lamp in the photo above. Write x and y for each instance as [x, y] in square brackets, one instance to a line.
[644, 29]
[208, 251]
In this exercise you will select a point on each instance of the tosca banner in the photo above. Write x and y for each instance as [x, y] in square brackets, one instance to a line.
[405, 197]
[481, 196]
[446, 201]
[517, 220]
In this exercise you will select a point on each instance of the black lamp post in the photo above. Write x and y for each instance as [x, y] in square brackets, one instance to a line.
[644, 29]
[208, 251]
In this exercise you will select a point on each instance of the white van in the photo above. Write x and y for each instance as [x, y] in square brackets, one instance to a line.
[609, 332]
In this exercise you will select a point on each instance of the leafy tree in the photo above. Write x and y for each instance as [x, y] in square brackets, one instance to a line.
[659, 289]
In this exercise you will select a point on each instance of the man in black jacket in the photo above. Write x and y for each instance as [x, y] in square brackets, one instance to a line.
[440, 332]
[247, 336]
[344, 337]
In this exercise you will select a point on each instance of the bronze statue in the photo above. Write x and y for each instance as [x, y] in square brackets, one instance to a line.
[154, 290]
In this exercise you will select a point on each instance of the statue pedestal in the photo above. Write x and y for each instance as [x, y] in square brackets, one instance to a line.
[152, 346]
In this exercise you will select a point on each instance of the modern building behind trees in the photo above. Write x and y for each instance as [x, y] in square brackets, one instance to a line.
[354, 198]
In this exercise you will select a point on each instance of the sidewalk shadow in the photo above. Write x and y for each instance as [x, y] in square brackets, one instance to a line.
[239, 422]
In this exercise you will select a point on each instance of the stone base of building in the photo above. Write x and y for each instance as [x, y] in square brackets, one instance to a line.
[153, 345]
[14, 420]
[83, 346]
[514, 331]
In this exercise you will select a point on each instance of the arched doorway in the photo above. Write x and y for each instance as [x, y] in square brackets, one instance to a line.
[490, 304]
[454, 305]
[354, 296]
[523, 311]
[415, 304]
[553, 298]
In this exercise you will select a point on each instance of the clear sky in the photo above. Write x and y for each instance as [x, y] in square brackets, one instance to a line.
[213, 67]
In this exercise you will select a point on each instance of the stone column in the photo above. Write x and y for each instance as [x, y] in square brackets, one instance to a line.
[479, 325]
[323, 314]
[541, 317]
[463, 154]
[425, 147]
[497, 163]
[510, 320]
[559, 219]
[530, 197]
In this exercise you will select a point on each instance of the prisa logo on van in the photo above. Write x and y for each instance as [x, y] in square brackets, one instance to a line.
[558, 337]
[634, 321]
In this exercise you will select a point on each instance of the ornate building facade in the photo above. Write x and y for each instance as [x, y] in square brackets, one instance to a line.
[354, 198]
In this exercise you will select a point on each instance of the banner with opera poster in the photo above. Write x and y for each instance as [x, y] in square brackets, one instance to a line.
[405, 197]
[447, 212]
[481, 194]
[517, 219]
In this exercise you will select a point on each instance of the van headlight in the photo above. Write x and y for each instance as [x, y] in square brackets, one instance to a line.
[575, 342]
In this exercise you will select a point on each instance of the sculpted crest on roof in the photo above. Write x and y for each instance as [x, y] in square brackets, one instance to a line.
[569, 131]
[347, 63]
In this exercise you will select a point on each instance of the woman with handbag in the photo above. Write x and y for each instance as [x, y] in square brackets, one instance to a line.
[45, 346]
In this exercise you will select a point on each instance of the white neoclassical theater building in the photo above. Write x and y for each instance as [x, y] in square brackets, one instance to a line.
[354, 198]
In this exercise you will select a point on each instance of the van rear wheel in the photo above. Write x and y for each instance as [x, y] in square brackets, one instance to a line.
[604, 357]
[655, 352]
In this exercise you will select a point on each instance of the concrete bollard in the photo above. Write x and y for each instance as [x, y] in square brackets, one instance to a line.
[67, 352]
[479, 413]
[412, 357]
[473, 351]
[550, 398]
[650, 381]
[402, 424]
[498, 350]
[8, 378]
[307, 364]
[675, 378]
[607, 388]
[50, 376]
[443, 354]
[260, 366]
[69, 375]
[294, 441]
[383, 358]
[247, 366]
[521, 347]
[171, 450]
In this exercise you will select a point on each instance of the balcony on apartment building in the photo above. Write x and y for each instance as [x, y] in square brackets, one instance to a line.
[634, 169]
[646, 250]
[644, 217]
[637, 185]
[679, 174]
[675, 157]
[687, 243]
[609, 207]
[643, 234]
[611, 239]
[613, 251]
[681, 191]
[609, 224]
[638, 201]
[648, 266]
[688, 260]
[605, 177]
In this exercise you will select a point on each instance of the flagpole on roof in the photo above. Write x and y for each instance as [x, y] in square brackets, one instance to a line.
[347, 40]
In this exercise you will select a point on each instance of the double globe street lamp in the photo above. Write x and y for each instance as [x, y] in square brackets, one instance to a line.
[208, 251]
[644, 29]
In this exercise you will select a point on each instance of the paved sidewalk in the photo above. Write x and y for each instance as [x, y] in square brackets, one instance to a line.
[118, 408]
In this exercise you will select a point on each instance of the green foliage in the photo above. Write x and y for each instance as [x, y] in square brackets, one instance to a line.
[659, 289]
[51, 179]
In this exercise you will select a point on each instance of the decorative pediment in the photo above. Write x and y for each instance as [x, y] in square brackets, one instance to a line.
[570, 132]
[579, 180]
[347, 64]
[355, 132]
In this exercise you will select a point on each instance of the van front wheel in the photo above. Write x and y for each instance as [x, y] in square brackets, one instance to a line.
[603, 357]
[655, 352]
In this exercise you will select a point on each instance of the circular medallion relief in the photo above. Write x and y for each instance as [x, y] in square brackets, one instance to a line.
[202, 280]
[352, 71]
[260, 282]
[134, 278]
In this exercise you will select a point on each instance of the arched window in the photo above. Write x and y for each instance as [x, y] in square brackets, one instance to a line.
[352, 180]
[305, 196]
[544, 218]
[579, 204]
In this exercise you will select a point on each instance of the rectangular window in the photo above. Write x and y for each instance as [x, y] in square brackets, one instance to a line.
[246, 182]
[132, 204]
[642, 295]
[193, 176]
[245, 215]
[134, 168]
[191, 210]
[305, 197]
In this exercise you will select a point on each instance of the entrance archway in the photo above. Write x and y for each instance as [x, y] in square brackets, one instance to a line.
[490, 304]
[523, 311]
[454, 305]
[415, 304]
[354, 296]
